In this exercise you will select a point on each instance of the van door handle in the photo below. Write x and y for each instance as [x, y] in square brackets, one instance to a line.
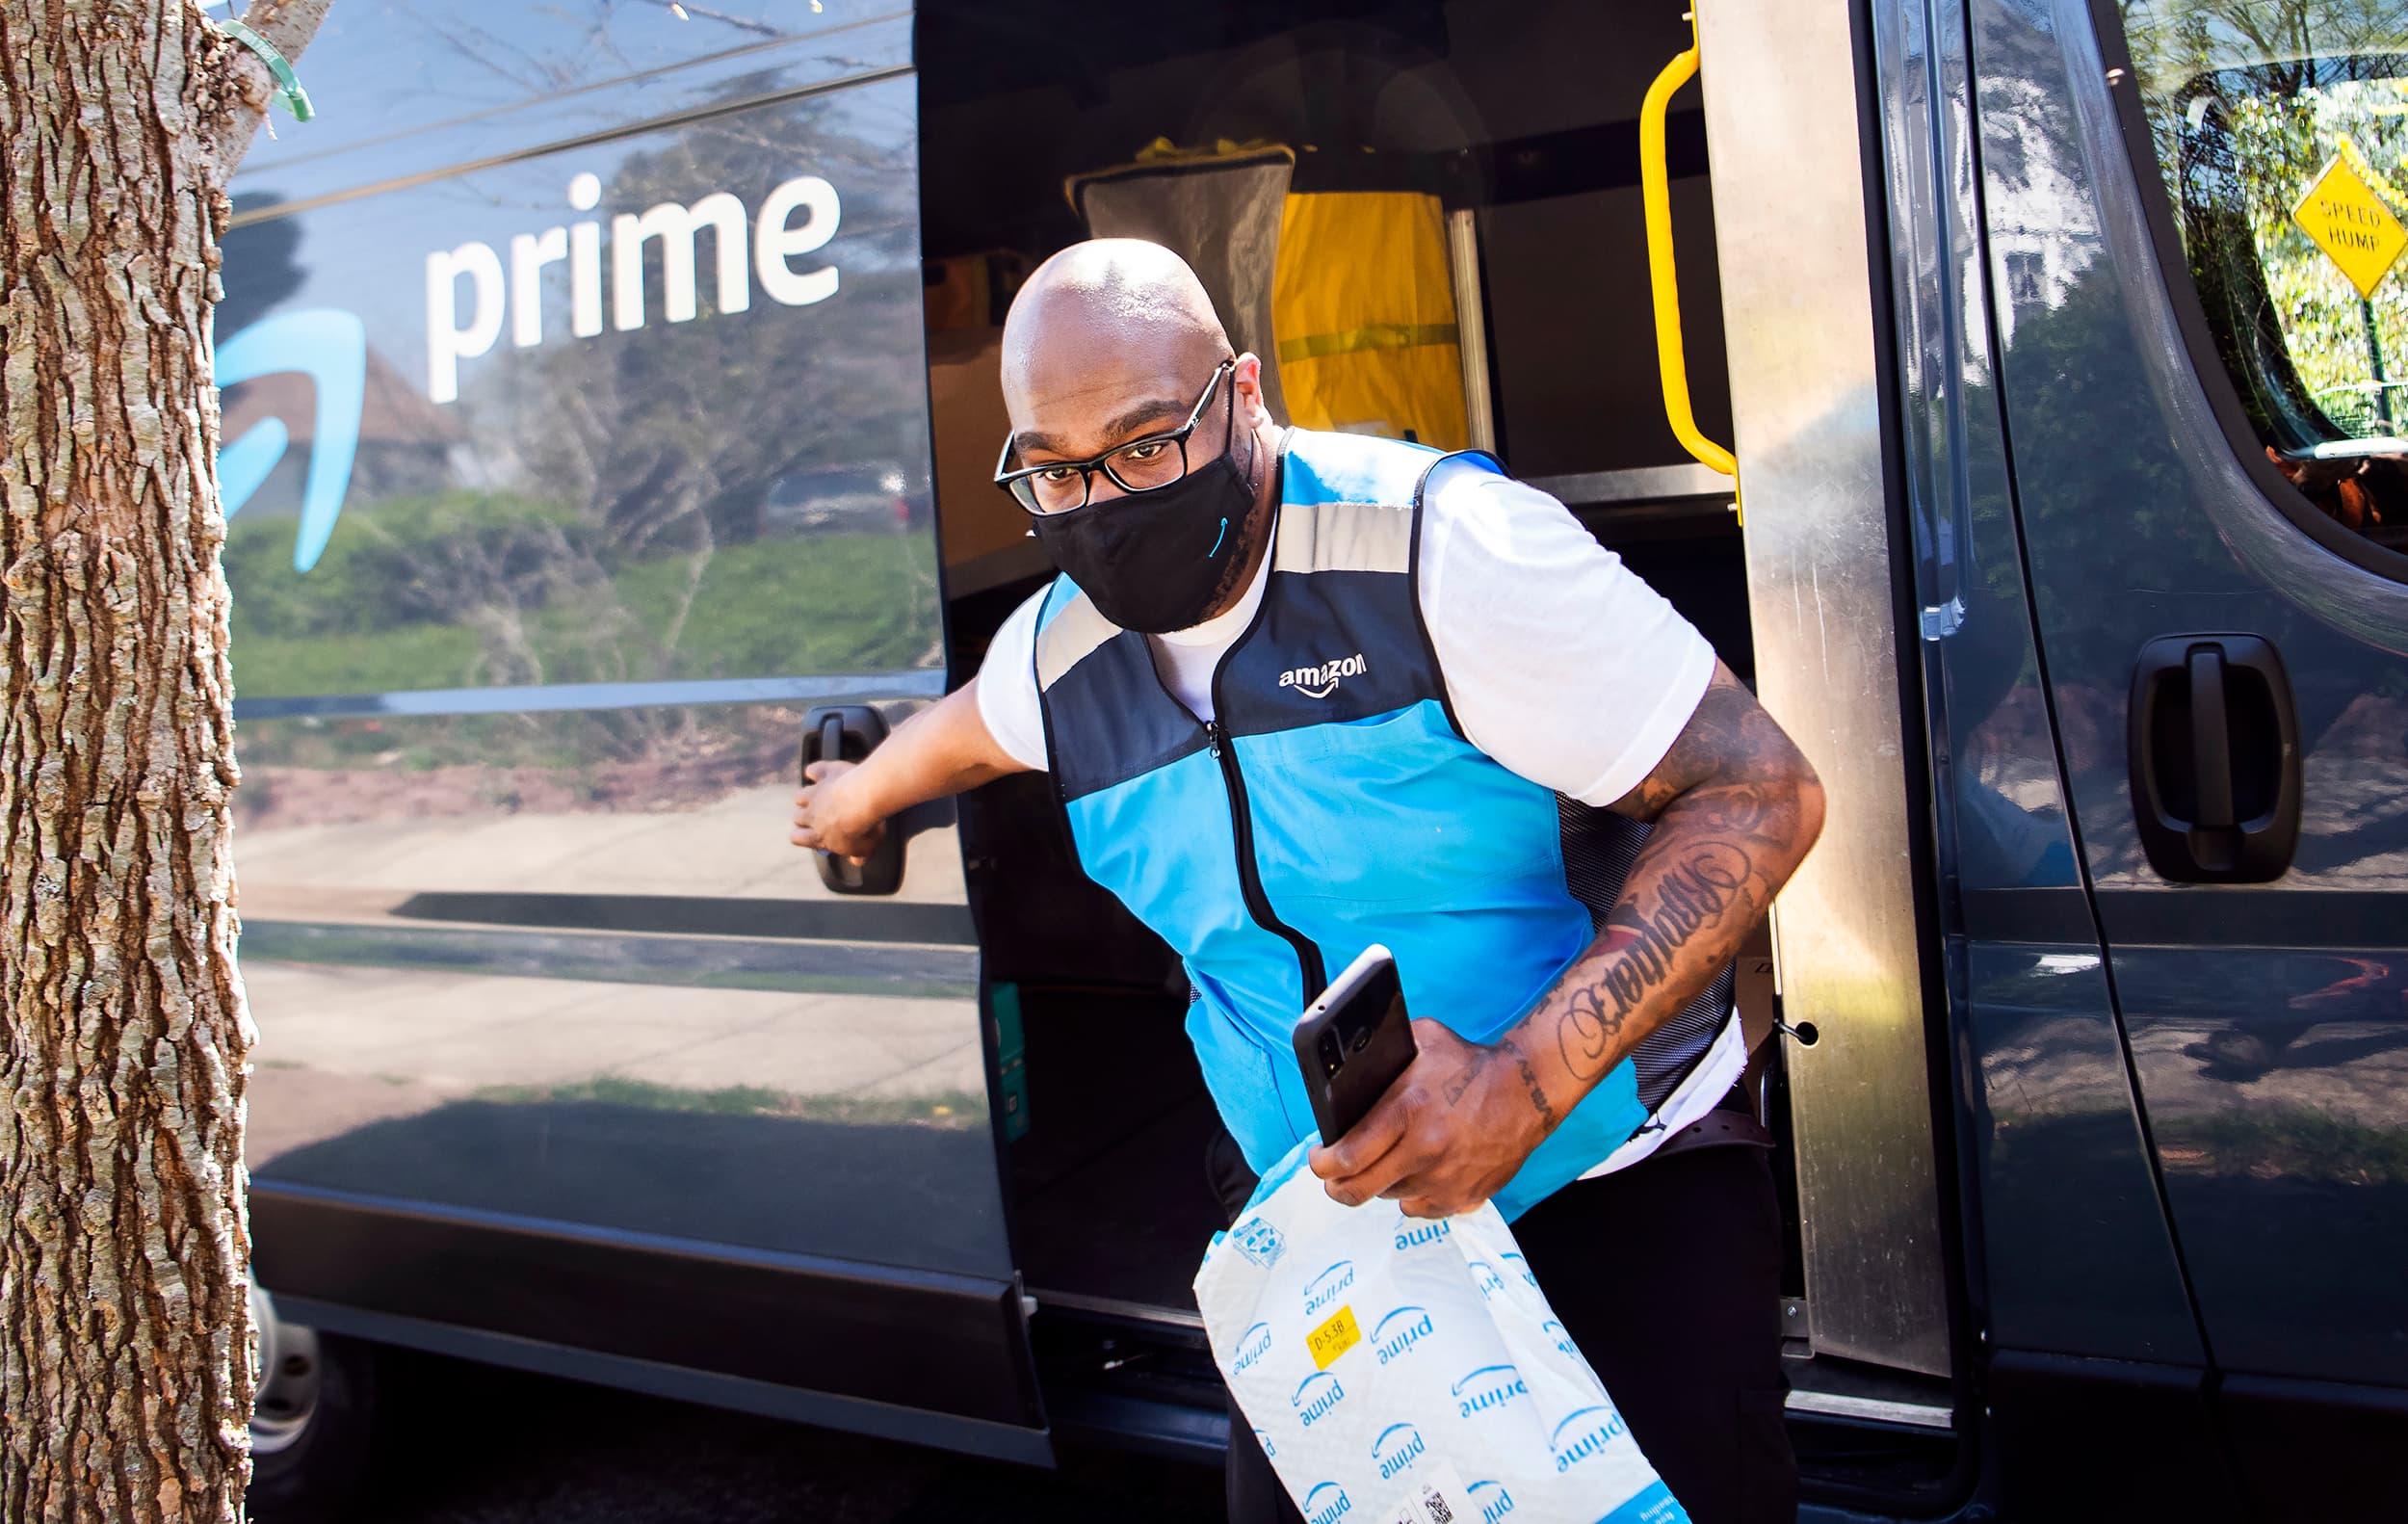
[849, 733]
[2210, 739]
[2213, 744]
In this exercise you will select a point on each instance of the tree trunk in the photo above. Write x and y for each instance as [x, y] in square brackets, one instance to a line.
[126, 1367]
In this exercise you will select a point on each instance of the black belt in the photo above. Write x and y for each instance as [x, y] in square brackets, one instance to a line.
[1730, 1123]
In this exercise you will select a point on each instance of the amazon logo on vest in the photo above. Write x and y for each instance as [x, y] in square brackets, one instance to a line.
[1320, 682]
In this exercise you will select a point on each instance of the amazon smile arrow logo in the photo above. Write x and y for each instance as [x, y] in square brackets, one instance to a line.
[1320, 682]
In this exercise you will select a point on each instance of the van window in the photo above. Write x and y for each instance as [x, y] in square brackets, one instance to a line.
[2281, 128]
[643, 411]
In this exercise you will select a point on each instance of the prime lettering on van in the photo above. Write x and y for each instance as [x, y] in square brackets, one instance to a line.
[1488, 1388]
[797, 217]
[1320, 682]
[1323, 1290]
[1401, 1330]
[1316, 1397]
[1594, 1428]
[1326, 1503]
[1397, 1448]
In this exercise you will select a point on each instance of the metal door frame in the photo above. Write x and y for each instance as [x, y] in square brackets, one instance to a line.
[1787, 138]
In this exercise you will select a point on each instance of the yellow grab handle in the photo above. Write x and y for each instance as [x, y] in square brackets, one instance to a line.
[1657, 197]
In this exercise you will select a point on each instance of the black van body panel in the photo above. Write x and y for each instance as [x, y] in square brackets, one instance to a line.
[575, 443]
[2261, 1024]
[2084, 1439]
[949, 1344]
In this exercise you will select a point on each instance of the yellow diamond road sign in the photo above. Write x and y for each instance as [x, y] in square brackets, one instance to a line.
[2351, 224]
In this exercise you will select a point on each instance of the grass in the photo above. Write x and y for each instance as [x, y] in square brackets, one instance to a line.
[467, 590]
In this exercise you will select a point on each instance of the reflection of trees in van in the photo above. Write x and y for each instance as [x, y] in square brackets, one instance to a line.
[684, 435]
[2095, 468]
[479, 589]
[736, 495]
[703, 449]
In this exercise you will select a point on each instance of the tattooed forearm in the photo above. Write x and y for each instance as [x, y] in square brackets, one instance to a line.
[1735, 809]
[1639, 952]
[1693, 896]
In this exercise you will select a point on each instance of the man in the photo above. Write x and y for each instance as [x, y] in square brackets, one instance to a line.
[1305, 692]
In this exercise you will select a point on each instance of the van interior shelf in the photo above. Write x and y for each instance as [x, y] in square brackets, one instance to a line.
[1650, 483]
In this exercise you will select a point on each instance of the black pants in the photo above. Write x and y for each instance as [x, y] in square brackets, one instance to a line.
[1668, 1277]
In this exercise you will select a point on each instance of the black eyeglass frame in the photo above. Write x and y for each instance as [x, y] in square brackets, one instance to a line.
[1010, 480]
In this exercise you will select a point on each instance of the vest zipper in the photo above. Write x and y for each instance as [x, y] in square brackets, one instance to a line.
[1308, 956]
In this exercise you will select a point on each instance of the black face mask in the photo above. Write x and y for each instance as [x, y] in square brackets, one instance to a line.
[1158, 561]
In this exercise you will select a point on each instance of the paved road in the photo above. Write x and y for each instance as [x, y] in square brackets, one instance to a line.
[470, 1445]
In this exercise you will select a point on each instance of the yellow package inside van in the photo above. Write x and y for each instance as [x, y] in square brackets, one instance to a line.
[1364, 308]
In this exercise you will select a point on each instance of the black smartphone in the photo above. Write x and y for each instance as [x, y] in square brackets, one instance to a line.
[1353, 1043]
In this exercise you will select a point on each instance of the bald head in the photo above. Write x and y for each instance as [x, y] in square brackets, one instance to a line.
[1116, 292]
[1109, 339]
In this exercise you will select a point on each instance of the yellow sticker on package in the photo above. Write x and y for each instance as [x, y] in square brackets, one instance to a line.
[1334, 1337]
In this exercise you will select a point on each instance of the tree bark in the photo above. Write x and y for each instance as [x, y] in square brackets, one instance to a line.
[125, 1337]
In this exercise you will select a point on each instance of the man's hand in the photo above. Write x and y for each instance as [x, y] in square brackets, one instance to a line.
[1449, 1134]
[831, 813]
[941, 751]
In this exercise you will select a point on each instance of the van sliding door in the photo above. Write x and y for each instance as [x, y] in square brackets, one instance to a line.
[576, 445]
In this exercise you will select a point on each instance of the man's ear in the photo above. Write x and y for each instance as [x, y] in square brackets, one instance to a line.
[1248, 378]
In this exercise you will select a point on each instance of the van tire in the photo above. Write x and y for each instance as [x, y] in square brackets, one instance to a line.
[313, 1474]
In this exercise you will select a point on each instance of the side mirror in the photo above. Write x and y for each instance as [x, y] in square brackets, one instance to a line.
[848, 733]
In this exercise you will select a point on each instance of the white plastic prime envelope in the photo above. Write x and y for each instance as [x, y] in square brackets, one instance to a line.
[1403, 1371]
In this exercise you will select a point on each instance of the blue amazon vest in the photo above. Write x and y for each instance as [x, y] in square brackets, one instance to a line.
[1333, 802]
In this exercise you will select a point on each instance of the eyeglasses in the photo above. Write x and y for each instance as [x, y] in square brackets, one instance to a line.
[1141, 465]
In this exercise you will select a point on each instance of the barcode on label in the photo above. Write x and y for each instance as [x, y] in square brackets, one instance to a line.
[1437, 1499]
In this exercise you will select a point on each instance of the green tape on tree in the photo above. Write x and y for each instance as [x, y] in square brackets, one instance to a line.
[288, 84]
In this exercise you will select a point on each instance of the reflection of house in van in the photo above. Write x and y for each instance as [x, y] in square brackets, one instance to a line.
[407, 444]
[2093, 1169]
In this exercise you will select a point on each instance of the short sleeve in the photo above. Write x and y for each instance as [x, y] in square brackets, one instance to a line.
[1007, 698]
[1561, 662]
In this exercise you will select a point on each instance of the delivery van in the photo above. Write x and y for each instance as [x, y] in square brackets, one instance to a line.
[2006, 388]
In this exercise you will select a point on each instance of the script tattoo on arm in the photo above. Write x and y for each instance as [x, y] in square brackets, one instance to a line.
[1539, 1103]
[1643, 944]
[1734, 806]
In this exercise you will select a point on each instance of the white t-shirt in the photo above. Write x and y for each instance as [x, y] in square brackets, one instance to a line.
[1559, 662]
